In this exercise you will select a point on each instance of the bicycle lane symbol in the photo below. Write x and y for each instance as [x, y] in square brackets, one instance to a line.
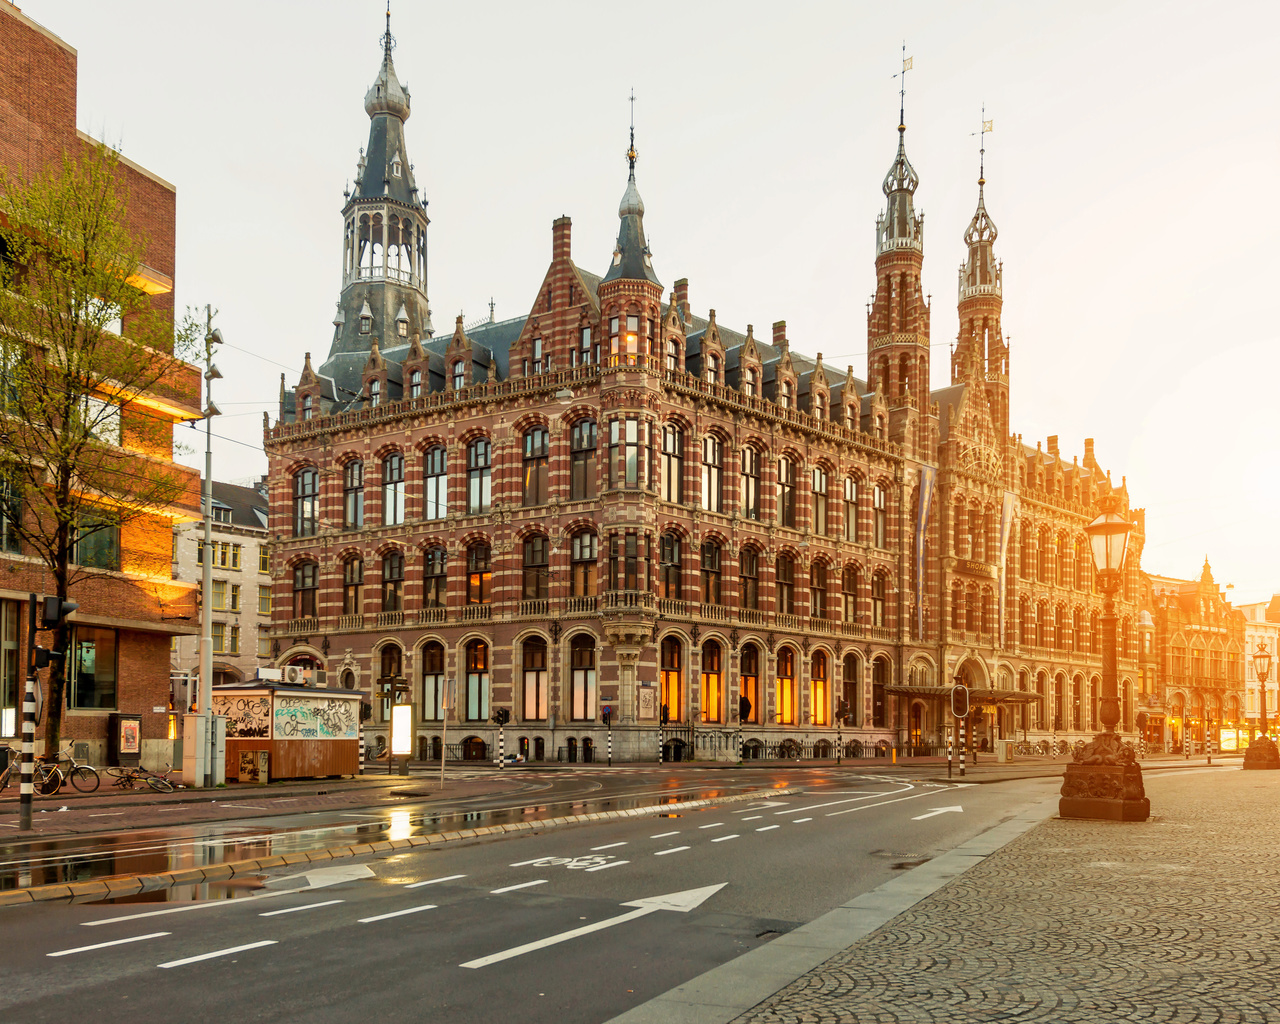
[569, 863]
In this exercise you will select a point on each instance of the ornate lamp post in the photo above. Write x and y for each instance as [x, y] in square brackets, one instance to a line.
[1262, 752]
[1105, 781]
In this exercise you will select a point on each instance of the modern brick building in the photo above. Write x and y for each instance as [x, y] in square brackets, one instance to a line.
[131, 607]
[615, 501]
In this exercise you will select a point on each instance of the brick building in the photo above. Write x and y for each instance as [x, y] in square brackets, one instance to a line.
[129, 608]
[616, 501]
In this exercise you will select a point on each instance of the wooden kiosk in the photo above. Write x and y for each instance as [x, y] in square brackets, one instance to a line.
[305, 732]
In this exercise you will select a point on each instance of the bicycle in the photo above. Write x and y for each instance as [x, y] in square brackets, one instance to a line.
[127, 778]
[46, 777]
[82, 774]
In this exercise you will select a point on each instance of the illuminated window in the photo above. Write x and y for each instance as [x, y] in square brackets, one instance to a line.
[582, 683]
[818, 687]
[535, 679]
[477, 699]
[786, 687]
[749, 680]
[712, 683]
[537, 446]
[479, 575]
[672, 678]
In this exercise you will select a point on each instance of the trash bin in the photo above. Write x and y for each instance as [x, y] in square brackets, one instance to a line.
[124, 740]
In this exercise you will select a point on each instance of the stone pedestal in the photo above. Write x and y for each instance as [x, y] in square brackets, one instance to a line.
[1262, 754]
[1111, 792]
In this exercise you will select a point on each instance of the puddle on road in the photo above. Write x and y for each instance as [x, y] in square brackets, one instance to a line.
[206, 892]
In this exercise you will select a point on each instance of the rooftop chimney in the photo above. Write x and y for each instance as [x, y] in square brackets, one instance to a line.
[780, 333]
[560, 238]
[682, 298]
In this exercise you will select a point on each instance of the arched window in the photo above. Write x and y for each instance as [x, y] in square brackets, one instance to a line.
[879, 517]
[582, 681]
[784, 395]
[751, 383]
[305, 583]
[582, 461]
[673, 355]
[785, 584]
[849, 688]
[434, 578]
[749, 578]
[671, 482]
[415, 384]
[306, 407]
[393, 582]
[749, 680]
[818, 687]
[536, 449]
[877, 601]
[459, 374]
[375, 391]
[479, 575]
[477, 681]
[818, 590]
[712, 373]
[353, 494]
[669, 567]
[849, 585]
[436, 480]
[787, 492]
[786, 687]
[534, 583]
[629, 452]
[306, 501]
[819, 501]
[712, 683]
[712, 467]
[750, 498]
[432, 681]
[535, 679]
[672, 675]
[970, 609]
[583, 564]
[352, 586]
[850, 509]
[710, 572]
[819, 406]
[393, 490]
[479, 493]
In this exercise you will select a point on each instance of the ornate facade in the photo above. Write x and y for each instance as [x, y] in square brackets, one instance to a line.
[614, 501]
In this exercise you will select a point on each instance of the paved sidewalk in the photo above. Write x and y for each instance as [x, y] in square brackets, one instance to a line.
[1170, 920]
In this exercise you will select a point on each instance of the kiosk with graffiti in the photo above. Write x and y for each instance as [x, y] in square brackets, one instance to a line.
[247, 717]
[311, 718]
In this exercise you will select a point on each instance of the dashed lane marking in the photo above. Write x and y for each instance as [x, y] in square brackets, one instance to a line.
[612, 864]
[522, 885]
[674, 849]
[769, 828]
[218, 952]
[433, 881]
[664, 835]
[305, 906]
[724, 839]
[104, 945]
[607, 846]
[397, 913]
[714, 824]
[797, 821]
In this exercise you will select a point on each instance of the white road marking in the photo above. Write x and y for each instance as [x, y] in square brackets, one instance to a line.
[851, 800]
[936, 811]
[714, 824]
[250, 807]
[613, 864]
[526, 863]
[397, 913]
[754, 817]
[882, 803]
[218, 952]
[522, 885]
[721, 839]
[107, 814]
[768, 828]
[185, 907]
[104, 945]
[607, 846]
[305, 906]
[797, 821]
[663, 835]
[674, 849]
[432, 881]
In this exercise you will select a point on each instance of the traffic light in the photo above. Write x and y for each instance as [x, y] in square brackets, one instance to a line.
[842, 710]
[665, 716]
[43, 657]
[605, 712]
[53, 611]
[744, 708]
[502, 716]
[960, 700]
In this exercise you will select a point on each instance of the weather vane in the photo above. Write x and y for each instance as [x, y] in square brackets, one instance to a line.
[982, 144]
[907, 63]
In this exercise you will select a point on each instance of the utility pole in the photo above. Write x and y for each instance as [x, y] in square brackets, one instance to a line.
[212, 337]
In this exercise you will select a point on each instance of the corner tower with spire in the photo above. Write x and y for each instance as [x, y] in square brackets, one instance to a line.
[384, 241]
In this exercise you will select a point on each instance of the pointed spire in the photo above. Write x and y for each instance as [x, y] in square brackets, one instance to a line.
[387, 95]
[981, 273]
[899, 226]
[631, 257]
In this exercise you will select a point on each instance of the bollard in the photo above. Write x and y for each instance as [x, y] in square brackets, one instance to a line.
[962, 748]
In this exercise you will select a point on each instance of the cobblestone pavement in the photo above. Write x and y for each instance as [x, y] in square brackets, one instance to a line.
[1170, 920]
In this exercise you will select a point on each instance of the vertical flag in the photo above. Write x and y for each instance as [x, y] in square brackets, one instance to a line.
[1007, 513]
[928, 475]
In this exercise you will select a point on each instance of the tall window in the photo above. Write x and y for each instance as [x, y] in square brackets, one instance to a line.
[435, 504]
[434, 578]
[751, 383]
[393, 582]
[786, 687]
[479, 575]
[820, 501]
[375, 391]
[432, 682]
[535, 569]
[669, 567]
[479, 493]
[587, 352]
[784, 394]
[849, 688]
[353, 494]
[818, 590]
[749, 578]
[459, 375]
[712, 683]
[582, 460]
[712, 372]
[710, 572]
[818, 687]
[477, 681]
[534, 365]
[787, 493]
[415, 384]
[306, 500]
[393, 490]
[583, 565]
[628, 443]
[750, 483]
[877, 601]
[93, 668]
[305, 582]
[624, 562]
[672, 673]
[671, 485]
[352, 586]
[582, 680]
[849, 585]
[535, 679]
[536, 448]
[307, 407]
[749, 680]
[850, 508]
[712, 467]
[786, 582]
[673, 355]
[879, 517]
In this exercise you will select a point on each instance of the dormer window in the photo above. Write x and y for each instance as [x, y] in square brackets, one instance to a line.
[673, 355]
[375, 391]
[366, 324]
[459, 375]
[534, 365]
[820, 406]
[751, 386]
[396, 167]
[784, 394]
[713, 369]
[415, 384]
[402, 328]
[306, 407]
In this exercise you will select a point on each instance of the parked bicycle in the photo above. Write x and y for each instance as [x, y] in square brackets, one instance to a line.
[128, 778]
[82, 774]
[46, 777]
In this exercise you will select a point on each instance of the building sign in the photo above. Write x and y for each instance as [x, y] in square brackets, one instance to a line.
[247, 717]
[315, 718]
[976, 568]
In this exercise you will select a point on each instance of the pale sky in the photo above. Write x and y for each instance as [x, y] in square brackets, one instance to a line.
[1131, 172]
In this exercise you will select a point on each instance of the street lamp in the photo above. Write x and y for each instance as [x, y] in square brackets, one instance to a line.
[1262, 752]
[1105, 781]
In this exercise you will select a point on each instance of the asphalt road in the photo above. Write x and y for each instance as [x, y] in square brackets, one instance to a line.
[437, 934]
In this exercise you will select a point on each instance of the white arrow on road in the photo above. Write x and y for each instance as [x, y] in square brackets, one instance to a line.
[680, 902]
[937, 810]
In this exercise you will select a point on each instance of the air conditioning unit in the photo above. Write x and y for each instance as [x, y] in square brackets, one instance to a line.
[296, 675]
[321, 678]
[275, 675]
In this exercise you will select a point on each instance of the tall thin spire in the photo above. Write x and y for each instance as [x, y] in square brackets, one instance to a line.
[388, 40]
[631, 257]
[899, 225]
[631, 150]
[981, 272]
[907, 63]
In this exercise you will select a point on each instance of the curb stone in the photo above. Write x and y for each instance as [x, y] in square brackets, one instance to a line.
[219, 872]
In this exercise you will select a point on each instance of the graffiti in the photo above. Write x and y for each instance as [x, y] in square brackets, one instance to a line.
[246, 716]
[315, 718]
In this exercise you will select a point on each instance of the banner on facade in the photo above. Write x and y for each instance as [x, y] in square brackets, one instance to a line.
[1007, 514]
[928, 474]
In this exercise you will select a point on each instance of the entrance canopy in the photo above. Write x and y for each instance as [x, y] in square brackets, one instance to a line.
[976, 696]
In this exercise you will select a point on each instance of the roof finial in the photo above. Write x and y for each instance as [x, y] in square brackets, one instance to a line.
[902, 87]
[631, 150]
[982, 148]
[388, 41]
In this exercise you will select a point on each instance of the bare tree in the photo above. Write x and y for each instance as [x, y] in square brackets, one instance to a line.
[84, 455]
